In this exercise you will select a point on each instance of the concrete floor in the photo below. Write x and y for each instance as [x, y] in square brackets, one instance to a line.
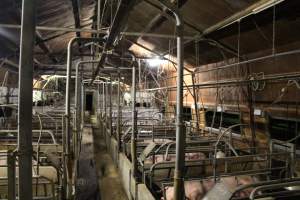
[111, 187]
[87, 187]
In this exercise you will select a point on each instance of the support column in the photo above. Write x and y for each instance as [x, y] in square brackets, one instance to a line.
[27, 42]
[105, 101]
[110, 107]
[119, 113]
[82, 103]
[180, 133]
[134, 121]
[103, 96]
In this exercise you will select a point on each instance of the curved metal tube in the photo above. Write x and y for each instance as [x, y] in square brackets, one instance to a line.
[216, 146]
[243, 187]
[273, 186]
[180, 135]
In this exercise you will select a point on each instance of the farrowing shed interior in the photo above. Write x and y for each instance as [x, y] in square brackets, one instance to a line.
[149, 99]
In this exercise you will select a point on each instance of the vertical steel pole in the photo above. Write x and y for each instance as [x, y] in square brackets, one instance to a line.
[103, 97]
[180, 133]
[140, 72]
[134, 116]
[105, 107]
[68, 116]
[110, 107]
[119, 113]
[82, 103]
[11, 175]
[27, 42]
[77, 110]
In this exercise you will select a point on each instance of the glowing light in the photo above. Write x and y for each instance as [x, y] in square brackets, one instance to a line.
[156, 62]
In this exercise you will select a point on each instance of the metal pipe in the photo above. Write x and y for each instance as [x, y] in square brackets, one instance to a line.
[134, 127]
[27, 42]
[106, 103]
[77, 110]
[103, 98]
[110, 107]
[180, 134]
[273, 186]
[119, 113]
[82, 103]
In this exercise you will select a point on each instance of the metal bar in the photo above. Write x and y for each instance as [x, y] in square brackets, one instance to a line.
[195, 102]
[27, 41]
[106, 103]
[103, 98]
[82, 103]
[110, 107]
[119, 113]
[134, 128]
[11, 175]
[272, 186]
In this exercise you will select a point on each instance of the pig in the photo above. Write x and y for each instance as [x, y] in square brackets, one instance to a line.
[172, 157]
[188, 156]
[196, 190]
[234, 182]
[193, 191]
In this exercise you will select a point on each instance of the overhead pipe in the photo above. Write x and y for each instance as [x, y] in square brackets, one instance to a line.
[180, 134]
[25, 148]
